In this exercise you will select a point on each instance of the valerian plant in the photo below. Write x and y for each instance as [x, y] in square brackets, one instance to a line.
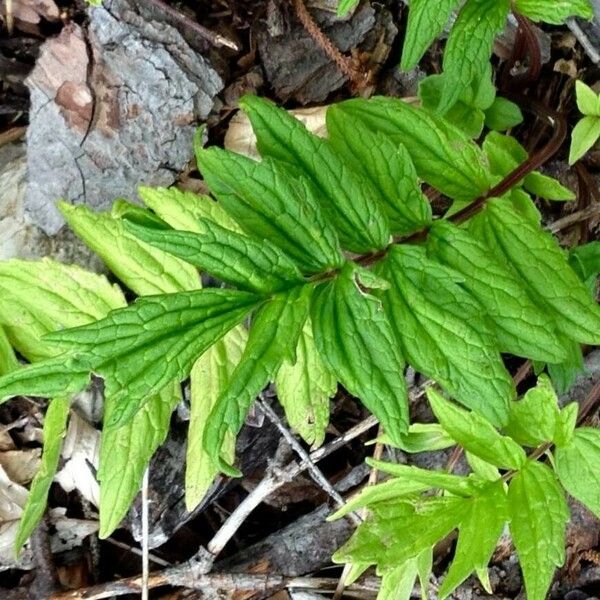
[329, 249]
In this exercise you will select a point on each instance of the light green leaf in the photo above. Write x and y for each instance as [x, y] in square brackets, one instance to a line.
[555, 12]
[469, 46]
[398, 582]
[565, 425]
[426, 21]
[476, 543]
[584, 135]
[455, 484]
[538, 515]
[503, 114]
[588, 101]
[476, 434]
[140, 349]
[346, 198]
[387, 165]
[304, 388]
[547, 187]
[142, 268]
[210, 377]
[182, 209]
[442, 154]
[37, 297]
[481, 468]
[519, 325]
[585, 260]
[55, 426]
[564, 373]
[8, 360]
[421, 437]
[270, 203]
[532, 420]
[242, 261]
[273, 338]
[543, 267]
[578, 467]
[345, 6]
[356, 342]
[125, 452]
[443, 333]
[402, 532]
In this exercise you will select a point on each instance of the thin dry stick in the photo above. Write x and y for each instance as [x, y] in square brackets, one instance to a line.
[10, 22]
[155, 559]
[574, 218]
[313, 470]
[12, 135]
[358, 78]
[145, 536]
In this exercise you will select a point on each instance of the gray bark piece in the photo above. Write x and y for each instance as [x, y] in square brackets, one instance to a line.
[100, 129]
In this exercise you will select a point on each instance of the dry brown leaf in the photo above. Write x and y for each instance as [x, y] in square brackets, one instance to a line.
[21, 465]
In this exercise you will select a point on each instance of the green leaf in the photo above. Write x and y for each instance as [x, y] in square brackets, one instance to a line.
[50, 378]
[404, 531]
[547, 187]
[469, 46]
[565, 425]
[210, 377]
[140, 349]
[55, 427]
[585, 261]
[584, 135]
[588, 102]
[519, 325]
[442, 154]
[273, 338]
[125, 452]
[455, 484]
[345, 6]
[142, 268]
[503, 114]
[426, 21]
[398, 582]
[182, 209]
[442, 332]
[347, 199]
[555, 12]
[37, 297]
[481, 468]
[475, 434]
[8, 360]
[388, 166]
[269, 203]
[532, 420]
[543, 267]
[356, 342]
[476, 543]
[421, 437]
[242, 261]
[564, 373]
[538, 514]
[304, 388]
[578, 467]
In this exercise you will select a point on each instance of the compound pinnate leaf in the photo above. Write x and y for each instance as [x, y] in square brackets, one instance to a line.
[182, 209]
[304, 388]
[585, 134]
[233, 257]
[578, 467]
[426, 21]
[273, 337]
[140, 349]
[443, 333]
[125, 452]
[538, 516]
[555, 12]
[356, 342]
[347, 199]
[543, 267]
[388, 166]
[442, 154]
[270, 204]
[8, 360]
[532, 420]
[469, 46]
[142, 268]
[519, 325]
[37, 297]
[210, 377]
[55, 425]
[476, 434]
[476, 543]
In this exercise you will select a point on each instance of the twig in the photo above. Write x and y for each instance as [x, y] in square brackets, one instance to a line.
[145, 535]
[155, 559]
[359, 78]
[12, 135]
[10, 21]
[313, 470]
[584, 40]
[574, 218]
